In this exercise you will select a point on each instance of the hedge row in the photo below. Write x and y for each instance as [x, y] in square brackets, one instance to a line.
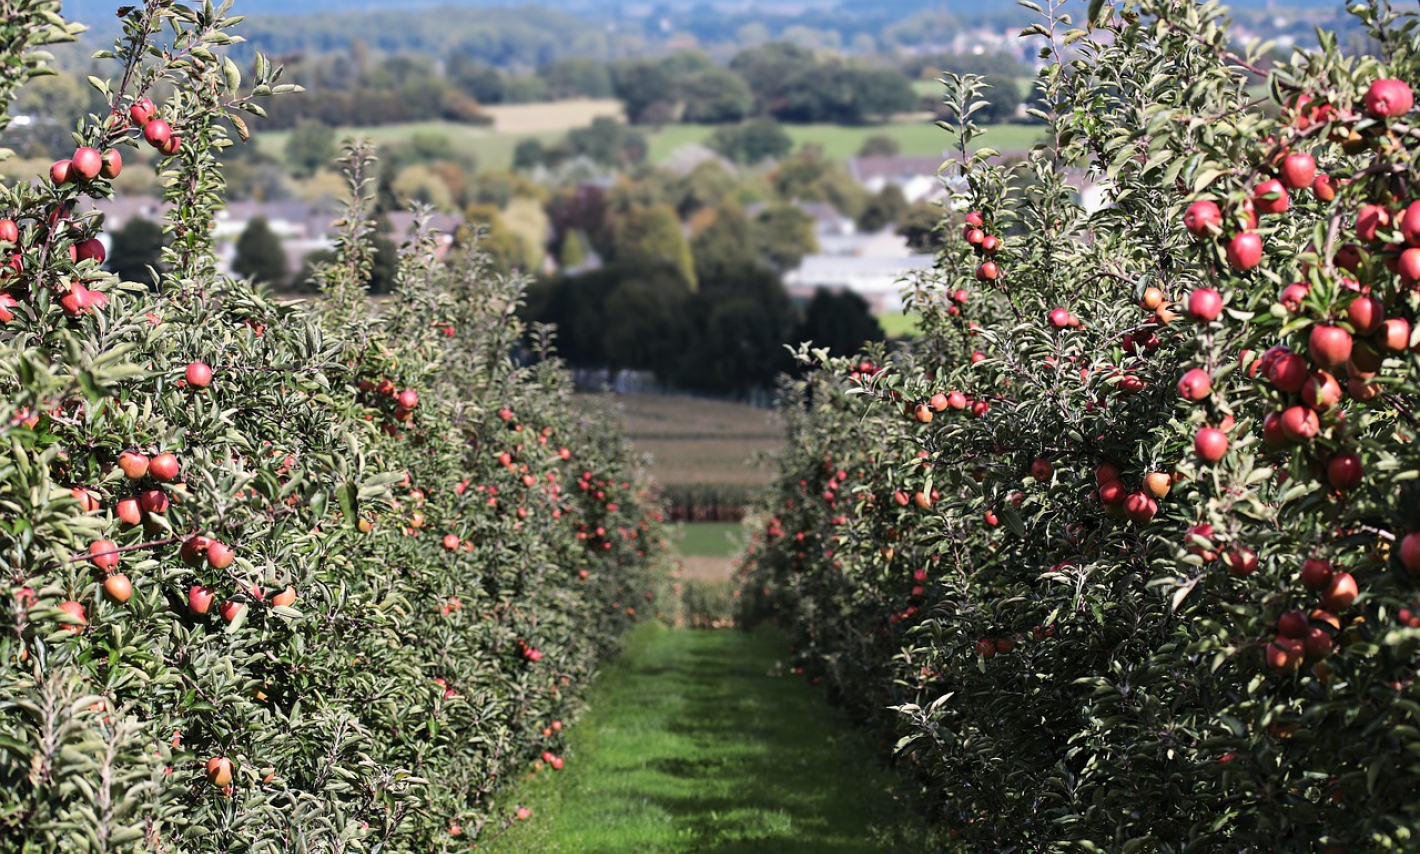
[1127, 552]
[278, 576]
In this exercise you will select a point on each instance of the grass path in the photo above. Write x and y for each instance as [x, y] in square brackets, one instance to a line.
[692, 744]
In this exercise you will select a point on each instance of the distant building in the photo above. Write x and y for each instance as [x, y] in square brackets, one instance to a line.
[877, 279]
[916, 176]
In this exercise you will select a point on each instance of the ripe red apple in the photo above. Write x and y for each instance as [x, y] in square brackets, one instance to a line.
[118, 588]
[1203, 218]
[1317, 644]
[451, 542]
[1395, 334]
[198, 375]
[200, 598]
[1140, 507]
[77, 618]
[1410, 552]
[9, 231]
[1316, 573]
[1204, 305]
[1240, 561]
[286, 598]
[142, 112]
[1324, 188]
[987, 272]
[1298, 171]
[7, 302]
[75, 301]
[219, 771]
[1345, 471]
[1293, 624]
[133, 464]
[1107, 473]
[1329, 346]
[219, 555]
[1211, 444]
[1388, 98]
[165, 467]
[1113, 492]
[1349, 257]
[129, 511]
[1244, 251]
[1341, 593]
[171, 146]
[1285, 655]
[1195, 385]
[973, 235]
[61, 172]
[990, 244]
[523, 813]
[88, 499]
[112, 164]
[1321, 391]
[1410, 224]
[103, 554]
[230, 610]
[1270, 197]
[1158, 484]
[91, 250]
[1299, 423]
[1059, 318]
[408, 399]
[86, 163]
[157, 132]
[1371, 219]
[194, 550]
[1040, 469]
[1365, 314]
[153, 501]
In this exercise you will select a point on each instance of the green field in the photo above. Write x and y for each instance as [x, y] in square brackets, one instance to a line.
[710, 539]
[493, 150]
[899, 324]
[698, 741]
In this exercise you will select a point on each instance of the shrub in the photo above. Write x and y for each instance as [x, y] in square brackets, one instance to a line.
[278, 575]
[1114, 611]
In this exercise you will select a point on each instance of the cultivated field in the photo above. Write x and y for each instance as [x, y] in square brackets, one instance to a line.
[557, 116]
[701, 441]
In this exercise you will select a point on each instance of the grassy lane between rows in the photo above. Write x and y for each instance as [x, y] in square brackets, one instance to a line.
[696, 742]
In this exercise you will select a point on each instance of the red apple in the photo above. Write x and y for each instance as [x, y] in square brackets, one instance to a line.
[113, 164]
[1270, 197]
[198, 374]
[165, 467]
[219, 555]
[1324, 188]
[1410, 552]
[1040, 469]
[118, 588]
[171, 146]
[1365, 314]
[9, 231]
[408, 399]
[129, 511]
[451, 542]
[1317, 643]
[1195, 385]
[1244, 251]
[200, 598]
[1298, 171]
[153, 501]
[1203, 218]
[1395, 334]
[1299, 423]
[286, 598]
[1059, 318]
[86, 163]
[1344, 471]
[1140, 507]
[7, 302]
[1293, 624]
[1285, 655]
[1316, 573]
[219, 771]
[1321, 391]
[103, 554]
[194, 550]
[141, 112]
[230, 610]
[75, 612]
[987, 272]
[88, 499]
[1204, 305]
[1329, 346]
[1388, 98]
[1211, 444]
[157, 132]
[133, 464]
[1240, 561]
[61, 172]
[1113, 492]
[1369, 220]
[1341, 593]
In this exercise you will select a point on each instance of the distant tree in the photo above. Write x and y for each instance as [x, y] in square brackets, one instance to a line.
[754, 142]
[883, 209]
[809, 176]
[646, 89]
[137, 246]
[529, 153]
[767, 67]
[880, 145]
[841, 322]
[919, 225]
[645, 322]
[723, 246]
[574, 251]
[844, 94]
[1003, 99]
[486, 228]
[608, 142]
[646, 236]
[524, 89]
[260, 256]
[310, 147]
[577, 77]
[478, 79]
[714, 95]
[582, 209]
[783, 235]
[304, 282]
[705, 186]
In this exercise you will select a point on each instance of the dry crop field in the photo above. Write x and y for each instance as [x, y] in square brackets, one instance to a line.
[554, 116]
[701, 442]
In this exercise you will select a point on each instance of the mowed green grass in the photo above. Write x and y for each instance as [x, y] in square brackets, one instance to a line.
[493, 150]
[696, 742]
[899, 324]
[710, 539]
